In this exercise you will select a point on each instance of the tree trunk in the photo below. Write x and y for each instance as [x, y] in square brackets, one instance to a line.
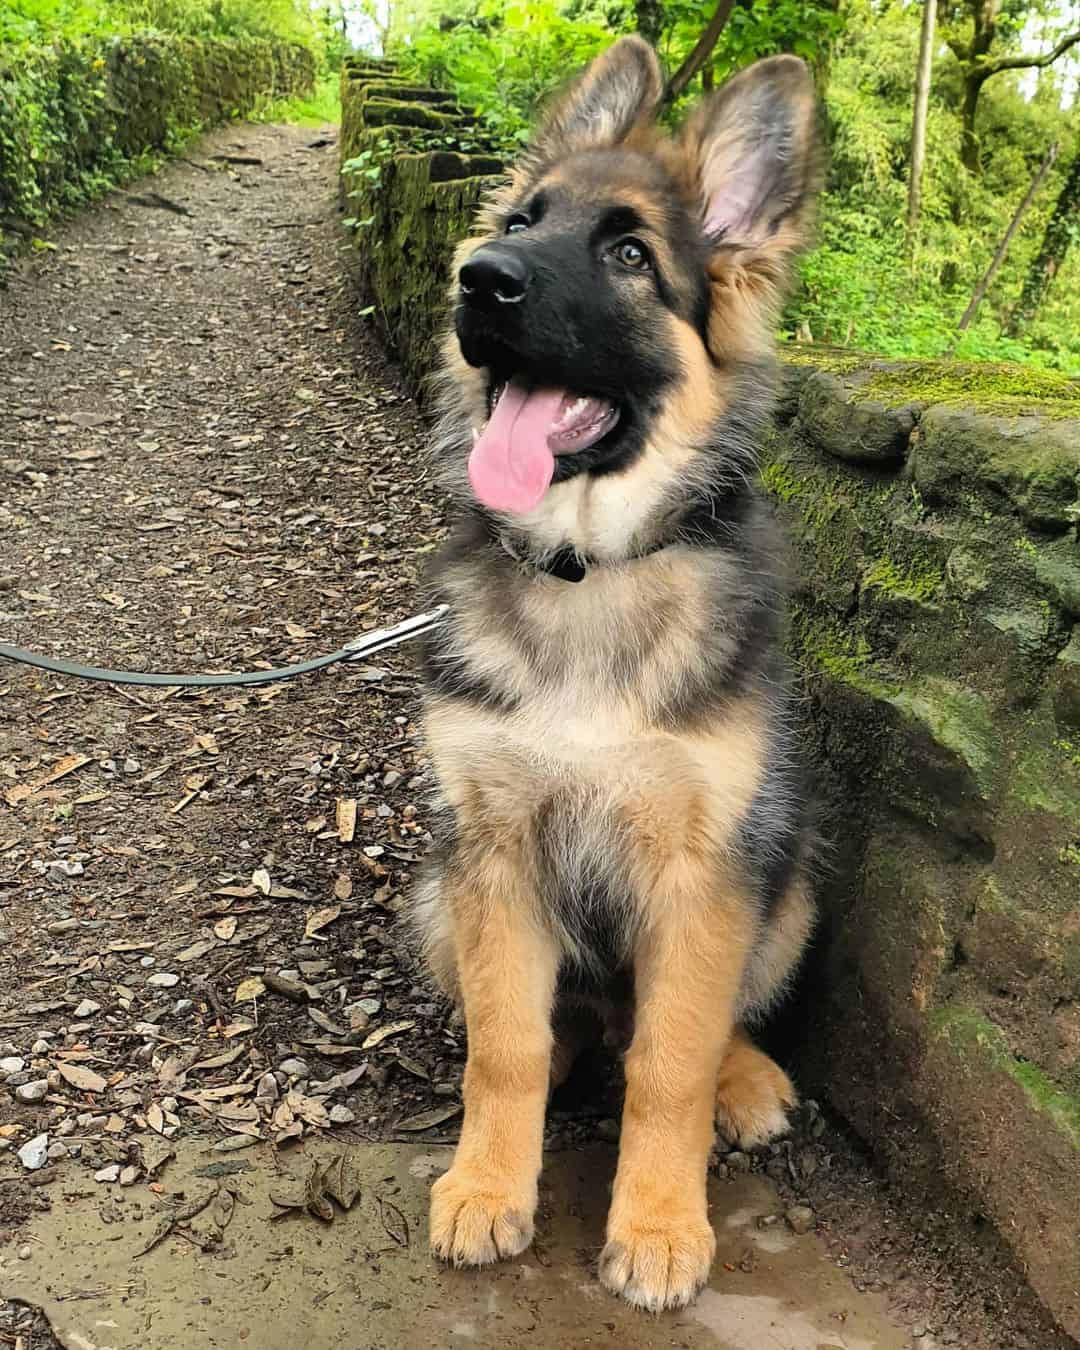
[703, 49]
[1064, 222]
[969, 141]
[1003, 247]
[922, 103]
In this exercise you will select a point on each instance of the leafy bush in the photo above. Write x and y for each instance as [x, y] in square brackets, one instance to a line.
[865, 285]
[76, 116]
[43, 20]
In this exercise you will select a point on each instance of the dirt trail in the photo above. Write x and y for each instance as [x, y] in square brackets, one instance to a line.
[205, 463]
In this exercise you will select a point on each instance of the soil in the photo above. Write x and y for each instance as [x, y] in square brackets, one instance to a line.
[206, 463]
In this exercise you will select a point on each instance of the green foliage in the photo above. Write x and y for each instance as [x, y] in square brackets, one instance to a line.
[78, 116]
[865, 285]
[501, 59]
[35, 21]
[321, 105]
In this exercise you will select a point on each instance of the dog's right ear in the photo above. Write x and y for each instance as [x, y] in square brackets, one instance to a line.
[615, 95]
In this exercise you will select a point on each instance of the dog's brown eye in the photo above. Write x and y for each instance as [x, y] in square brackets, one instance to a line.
[517, 223]
[632, 253]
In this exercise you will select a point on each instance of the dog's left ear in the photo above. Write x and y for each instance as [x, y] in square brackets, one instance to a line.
[754, 150]
[618, 92]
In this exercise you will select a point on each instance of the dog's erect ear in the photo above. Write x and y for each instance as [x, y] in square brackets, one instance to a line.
[617, 92]
[753, 147]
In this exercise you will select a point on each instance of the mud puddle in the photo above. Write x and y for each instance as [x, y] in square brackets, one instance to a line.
[365, 1279]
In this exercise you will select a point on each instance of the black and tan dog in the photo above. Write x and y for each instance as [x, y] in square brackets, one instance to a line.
[622, 821]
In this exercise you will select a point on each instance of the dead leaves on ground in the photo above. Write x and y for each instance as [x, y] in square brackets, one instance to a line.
[325, 1182]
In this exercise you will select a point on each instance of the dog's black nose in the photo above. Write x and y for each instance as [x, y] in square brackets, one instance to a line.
[494, 275]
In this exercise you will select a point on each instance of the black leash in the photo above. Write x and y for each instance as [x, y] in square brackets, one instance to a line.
[356, 650]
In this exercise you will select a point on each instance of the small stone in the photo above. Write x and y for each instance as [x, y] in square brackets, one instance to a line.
[183, 1005]
[131, 765]
[11, 1064]
[59, 870]
[801, 1218]
[35, 1152]
[87, 1008]
[268, 1090]
[295, 1068]
[738, 1161]
[65, 1128]
[392, 779]
[163, 980]
[57, 1151]
[608, 1131]
[25, 1253]
[40, 1047]
[110, 1173]
[341, 1115]
[32, 1092]
[129, 1176]
[147, 961]
[146, 1029]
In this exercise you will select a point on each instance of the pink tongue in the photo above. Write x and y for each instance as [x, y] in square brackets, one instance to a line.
[511, 464]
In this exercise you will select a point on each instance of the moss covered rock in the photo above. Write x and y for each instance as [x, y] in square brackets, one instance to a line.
[843, 424]
[935, 622]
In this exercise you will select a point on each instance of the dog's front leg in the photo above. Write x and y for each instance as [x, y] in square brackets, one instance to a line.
[483, 1208]
[660, 1244]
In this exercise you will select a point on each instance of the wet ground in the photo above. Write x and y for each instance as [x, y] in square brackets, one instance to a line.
[365, 1280]
[206, 463]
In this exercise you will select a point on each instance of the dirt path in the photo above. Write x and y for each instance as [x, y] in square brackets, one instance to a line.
[205, 463]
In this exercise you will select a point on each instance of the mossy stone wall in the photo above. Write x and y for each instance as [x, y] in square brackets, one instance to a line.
[933, 510]
[414, 171]
[75, 114]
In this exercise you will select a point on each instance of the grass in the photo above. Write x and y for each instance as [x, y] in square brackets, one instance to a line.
[321, 106]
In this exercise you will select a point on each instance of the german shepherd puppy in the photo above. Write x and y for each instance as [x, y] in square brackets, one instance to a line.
[621, 814]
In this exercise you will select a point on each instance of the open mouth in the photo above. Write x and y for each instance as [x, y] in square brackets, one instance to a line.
[513, 457]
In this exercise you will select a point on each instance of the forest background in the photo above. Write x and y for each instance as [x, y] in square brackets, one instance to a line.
[892, 272]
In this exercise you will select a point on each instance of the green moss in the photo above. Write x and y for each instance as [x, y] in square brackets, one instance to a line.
[836, 360]
[958, 719]
[1006, 389]
[838, 651]
[921, 584]
[967, 1029]
[1046, 776]
[778, 481]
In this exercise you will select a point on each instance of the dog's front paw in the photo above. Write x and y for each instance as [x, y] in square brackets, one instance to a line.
[753, 1098]
[657, 1264]
[475, 1220]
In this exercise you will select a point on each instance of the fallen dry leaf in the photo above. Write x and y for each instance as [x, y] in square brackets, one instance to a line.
[381, 1034]
[319, 918]
[248, 989]
[427, 1120]
[83, 1079]
[346, 819]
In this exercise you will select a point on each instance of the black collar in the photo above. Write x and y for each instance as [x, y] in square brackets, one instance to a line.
[712, 521]
[568, 565]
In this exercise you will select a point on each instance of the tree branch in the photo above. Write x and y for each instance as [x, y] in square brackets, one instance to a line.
[701, 53]
[1026, 62]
